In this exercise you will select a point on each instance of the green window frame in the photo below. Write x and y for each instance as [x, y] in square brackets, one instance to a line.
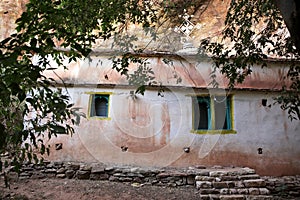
[212, 114]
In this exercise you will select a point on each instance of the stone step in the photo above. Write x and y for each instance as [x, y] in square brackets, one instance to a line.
[231, 191]
[234, 197]
[254, 183]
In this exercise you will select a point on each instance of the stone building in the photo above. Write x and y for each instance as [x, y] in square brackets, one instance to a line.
[180, 120]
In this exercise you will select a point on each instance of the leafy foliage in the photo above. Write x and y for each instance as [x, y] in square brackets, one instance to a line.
[290, 98]
[32, 110]
[141, 77]
[254, 31]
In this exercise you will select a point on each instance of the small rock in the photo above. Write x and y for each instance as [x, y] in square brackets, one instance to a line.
[205, 178]
[71, 166]
[202, 173]
[50, 171]
[38, 176]
[109, 169]
[255, 183]
[113, 178]
[50, 165]
[239, 184]
[136, 184]
[178, 174]
[70, 173]
[217, 167]
[85, 168]
[98, 170]
[217, 173]
[24, 177]
[203, 184]
[248, 170]
[200, 167]
[134, 170]
[25, 174]
[249, 176]
[217, 179]
[233, 191]
[119, 175]
[171, 184]
[135, 175]
[61, 170]
[224, 191]
[253, 191]
[264, 191]
[26, 169]
[219, 185]
[83, 174]
[230, 178]
[190, 180]
[179, 183]
[232, 197]
[230, 184]
[208, 191]
[243, 191]
[58, 164]
[162, 175]
[60, 176]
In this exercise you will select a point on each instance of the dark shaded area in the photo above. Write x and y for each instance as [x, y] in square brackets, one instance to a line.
[290, 10]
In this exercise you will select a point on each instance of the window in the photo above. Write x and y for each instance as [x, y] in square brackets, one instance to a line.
[212, 114]
[99, 105]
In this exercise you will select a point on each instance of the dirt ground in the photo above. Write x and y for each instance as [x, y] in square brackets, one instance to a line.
[72, 189]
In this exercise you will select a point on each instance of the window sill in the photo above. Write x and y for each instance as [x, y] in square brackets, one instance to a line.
[100, 118]
[214, 131]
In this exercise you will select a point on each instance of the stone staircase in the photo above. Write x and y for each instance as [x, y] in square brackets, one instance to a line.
[232, 184]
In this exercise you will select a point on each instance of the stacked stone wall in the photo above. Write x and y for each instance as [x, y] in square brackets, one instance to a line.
[212, 183]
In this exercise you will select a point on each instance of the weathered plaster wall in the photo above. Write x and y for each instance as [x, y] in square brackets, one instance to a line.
[156, 129]
[184, 71]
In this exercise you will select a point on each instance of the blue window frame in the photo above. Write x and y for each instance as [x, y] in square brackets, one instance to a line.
[212, 113]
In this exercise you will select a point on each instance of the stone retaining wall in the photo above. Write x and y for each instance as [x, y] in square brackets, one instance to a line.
[285, 187]
[213, 183]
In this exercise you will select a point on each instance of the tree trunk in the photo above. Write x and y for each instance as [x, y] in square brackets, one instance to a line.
[290, 10]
